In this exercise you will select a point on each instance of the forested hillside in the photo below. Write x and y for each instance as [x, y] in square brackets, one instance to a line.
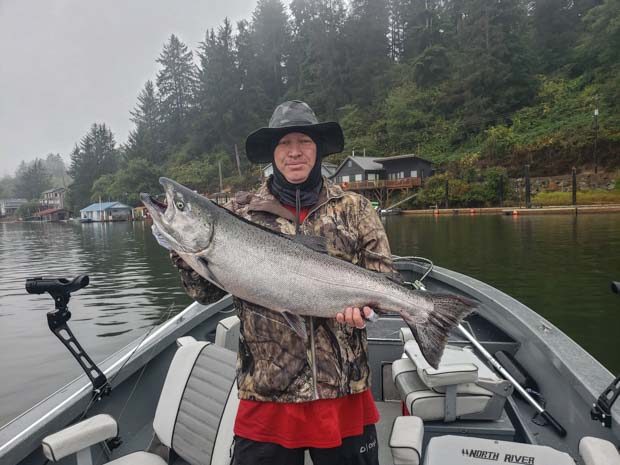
[495, 83]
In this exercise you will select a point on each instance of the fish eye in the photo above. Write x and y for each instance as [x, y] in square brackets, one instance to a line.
[180, 205]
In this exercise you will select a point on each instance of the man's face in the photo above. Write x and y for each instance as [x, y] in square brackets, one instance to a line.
[294, 156]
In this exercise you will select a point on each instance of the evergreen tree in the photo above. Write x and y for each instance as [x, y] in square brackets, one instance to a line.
[94, 156]
[494, 69]
[270, 36]
[368, 58]
[55, 166]
[219, 87]
[315, 65]
[145, 140]
[176, 82]
[600, 46]
[31, 180]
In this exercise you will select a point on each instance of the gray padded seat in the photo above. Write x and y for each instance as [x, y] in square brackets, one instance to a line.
[406, 440]
[227, 333]
[462, 387]
[197, 407]
[596, 451]
[462, 450]
[194, 416]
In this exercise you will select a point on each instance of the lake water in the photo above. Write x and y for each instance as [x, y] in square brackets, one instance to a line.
[560, 266]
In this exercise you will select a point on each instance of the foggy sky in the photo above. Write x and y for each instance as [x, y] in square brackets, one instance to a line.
[66, 64]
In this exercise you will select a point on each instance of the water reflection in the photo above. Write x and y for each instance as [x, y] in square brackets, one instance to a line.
[558, 265]
[132, 286]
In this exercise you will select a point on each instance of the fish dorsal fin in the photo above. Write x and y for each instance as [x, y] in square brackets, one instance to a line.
[297, 323]
[316, 243]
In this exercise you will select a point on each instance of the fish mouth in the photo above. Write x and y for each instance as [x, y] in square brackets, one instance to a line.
[155, 206]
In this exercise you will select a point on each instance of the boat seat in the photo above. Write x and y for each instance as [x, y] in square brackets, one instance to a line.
[406, 440]
[463, 450]
[462, 387]
[227, 333]
[595, 451]
[195, 413]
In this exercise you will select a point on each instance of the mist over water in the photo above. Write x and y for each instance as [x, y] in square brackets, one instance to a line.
[560, 266]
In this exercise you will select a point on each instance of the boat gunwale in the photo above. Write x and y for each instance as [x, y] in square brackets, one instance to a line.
[24, 431]
[585, 373]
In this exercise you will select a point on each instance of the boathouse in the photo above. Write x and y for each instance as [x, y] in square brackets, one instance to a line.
[106, 211]
[53, 214]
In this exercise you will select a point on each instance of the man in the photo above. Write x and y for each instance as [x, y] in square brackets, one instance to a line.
[301, 394]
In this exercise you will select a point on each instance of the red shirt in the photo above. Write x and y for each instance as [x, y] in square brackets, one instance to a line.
[303, 212]
[321, 423]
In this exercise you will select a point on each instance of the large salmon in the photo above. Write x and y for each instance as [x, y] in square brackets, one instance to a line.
[291, 274]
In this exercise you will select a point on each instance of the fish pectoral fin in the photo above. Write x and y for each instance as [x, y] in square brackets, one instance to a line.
[210, 275]
[297, 323]
[316, 243]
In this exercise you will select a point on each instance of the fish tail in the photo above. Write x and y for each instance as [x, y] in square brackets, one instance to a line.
[432, 332]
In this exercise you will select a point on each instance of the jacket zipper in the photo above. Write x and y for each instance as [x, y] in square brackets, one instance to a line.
[315, 389]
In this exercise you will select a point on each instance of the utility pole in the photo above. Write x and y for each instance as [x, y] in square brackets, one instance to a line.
[528, 190]
[237, 157]
[219, 165]
[595, 140]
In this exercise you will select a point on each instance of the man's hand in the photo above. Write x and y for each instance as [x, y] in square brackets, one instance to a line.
[353, 317]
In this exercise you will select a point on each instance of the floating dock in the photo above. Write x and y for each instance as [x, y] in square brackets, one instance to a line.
[516, 211]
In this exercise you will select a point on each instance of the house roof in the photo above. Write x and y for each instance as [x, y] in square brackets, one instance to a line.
[49, 211]
[95, 207]
[366, 163]
[400, 157]
[55, 189]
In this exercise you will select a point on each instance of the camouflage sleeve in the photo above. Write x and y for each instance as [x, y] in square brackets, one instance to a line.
[198, 288]
[374, 246]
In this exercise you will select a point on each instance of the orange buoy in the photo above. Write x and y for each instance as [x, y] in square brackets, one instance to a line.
[345, 185]
[472, 211]
[436, 212]
[515, 213]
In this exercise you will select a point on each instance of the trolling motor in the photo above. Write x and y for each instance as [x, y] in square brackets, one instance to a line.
[60, 289]
[601, 409]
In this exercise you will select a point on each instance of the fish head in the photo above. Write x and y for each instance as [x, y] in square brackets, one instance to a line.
[185, 222]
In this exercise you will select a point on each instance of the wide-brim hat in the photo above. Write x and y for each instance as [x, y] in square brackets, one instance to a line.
[293, 116]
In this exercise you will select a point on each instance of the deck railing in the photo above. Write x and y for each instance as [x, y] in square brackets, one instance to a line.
[403, 183]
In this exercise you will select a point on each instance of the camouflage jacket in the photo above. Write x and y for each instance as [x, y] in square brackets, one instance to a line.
[274, 363]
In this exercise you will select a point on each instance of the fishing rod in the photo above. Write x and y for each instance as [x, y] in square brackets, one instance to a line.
[492, 360]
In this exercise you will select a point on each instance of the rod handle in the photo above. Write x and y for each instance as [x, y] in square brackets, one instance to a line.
[553, 422]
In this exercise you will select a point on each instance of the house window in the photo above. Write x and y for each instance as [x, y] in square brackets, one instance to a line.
[345, 179]
[401, 175]
[414, 173]
[371, 176]
[349, 163]
[358, 177]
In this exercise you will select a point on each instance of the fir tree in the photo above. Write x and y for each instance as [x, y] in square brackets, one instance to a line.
[176, 82]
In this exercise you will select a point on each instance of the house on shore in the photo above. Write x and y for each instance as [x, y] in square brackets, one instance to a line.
[378, 177]
[106, 211]
[54, 198]
[10, 206]
[358, 169]
[53, 214]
